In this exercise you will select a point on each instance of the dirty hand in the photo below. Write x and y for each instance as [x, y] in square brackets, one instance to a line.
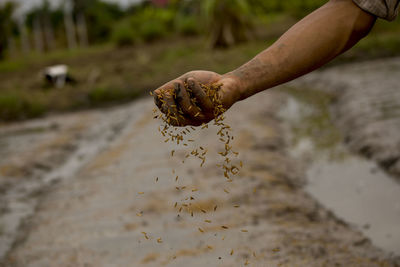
[173, 96]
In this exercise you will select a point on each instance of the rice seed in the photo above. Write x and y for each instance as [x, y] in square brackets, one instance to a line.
[209, 247]
[224, 227]
[215, 208]
[159, 240]
[226, 191]
[236, 206]
[207, 221]
[176, 178]
[145, 235]
[231, 252]
[201, 230]
[139, 214]
[244, 230]
[141, 193]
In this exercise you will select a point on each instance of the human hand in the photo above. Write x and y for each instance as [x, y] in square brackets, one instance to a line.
[191, 105]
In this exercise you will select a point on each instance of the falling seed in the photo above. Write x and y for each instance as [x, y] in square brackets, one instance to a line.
[207, 221]
[244, 230]
[141, 193]
[209, 247]
[203, 211]
[246, 263]
[172, 153]
[224, 227]
[176, 178]
[139, 214]
[194, 189]
[276, 250]
[159, 240]
[231, 252]
[145, 235]
[215, 208]
[157, 179]
[226, 191]
[176, 204]
[236, 206]
[201, 230]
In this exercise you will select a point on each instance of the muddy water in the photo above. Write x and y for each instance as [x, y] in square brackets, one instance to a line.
[354, 188]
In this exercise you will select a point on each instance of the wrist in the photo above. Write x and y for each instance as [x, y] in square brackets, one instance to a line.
[235, 85]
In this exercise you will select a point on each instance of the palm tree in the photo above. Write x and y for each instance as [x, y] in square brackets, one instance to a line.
[228, 22]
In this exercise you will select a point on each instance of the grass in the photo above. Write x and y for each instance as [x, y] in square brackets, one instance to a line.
[108, 75]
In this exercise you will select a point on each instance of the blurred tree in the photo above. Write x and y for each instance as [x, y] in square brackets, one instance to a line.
[47, 19]
[7, 26]
[99, 17]
[228, 21]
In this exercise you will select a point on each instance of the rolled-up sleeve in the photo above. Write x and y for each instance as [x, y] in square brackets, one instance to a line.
[385, 9]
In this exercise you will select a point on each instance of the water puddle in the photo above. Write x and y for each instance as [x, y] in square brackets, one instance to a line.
[354, 188]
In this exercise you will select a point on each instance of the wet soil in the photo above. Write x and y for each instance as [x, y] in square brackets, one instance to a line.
[88, 216]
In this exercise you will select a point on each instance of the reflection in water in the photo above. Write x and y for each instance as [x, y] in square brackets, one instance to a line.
[354, 188]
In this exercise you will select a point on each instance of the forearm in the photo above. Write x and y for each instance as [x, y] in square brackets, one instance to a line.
[309, 44]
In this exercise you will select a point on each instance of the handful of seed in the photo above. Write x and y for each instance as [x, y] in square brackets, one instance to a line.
[179, 134]
[181, 137]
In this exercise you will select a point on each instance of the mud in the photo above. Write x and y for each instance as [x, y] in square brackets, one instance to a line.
[366, 108]
[88, 217]
[353, 187]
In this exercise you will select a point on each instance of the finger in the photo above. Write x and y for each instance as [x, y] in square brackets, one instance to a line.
[169, 107]
[157, 98]
[183, 100]
[203, 101]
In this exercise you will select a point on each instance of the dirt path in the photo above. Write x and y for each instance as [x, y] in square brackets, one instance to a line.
[88, 215]
[91, 218]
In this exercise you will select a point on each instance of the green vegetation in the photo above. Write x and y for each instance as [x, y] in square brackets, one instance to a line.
[136, 50]
[19, 106]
